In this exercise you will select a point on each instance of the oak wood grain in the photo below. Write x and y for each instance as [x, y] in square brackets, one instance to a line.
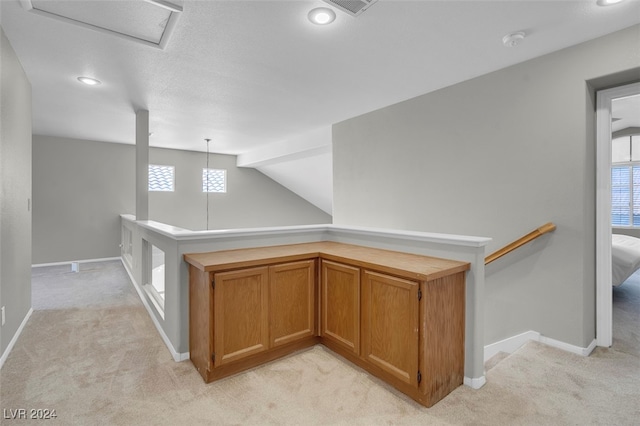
[390, 324]
[362, 302]
[340, 319]
[200, 320]
[405, 265]
[291, 301]
[241, 314]
[442, 336]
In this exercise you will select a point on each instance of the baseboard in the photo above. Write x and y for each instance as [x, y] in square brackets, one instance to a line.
[177, 356]
[475, 383]
[511, 344]
[13, 341]
[578, 350]
[69, 262]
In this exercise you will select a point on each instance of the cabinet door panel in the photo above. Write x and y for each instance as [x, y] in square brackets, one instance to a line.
[341, 305]
[292, 301]
[241, 314]
[390, 325]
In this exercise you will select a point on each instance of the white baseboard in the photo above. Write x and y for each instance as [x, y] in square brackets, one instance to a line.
[475, 383]
[177, 356]
[578, 350]
[511, 344]
[13, 341]
[69, 262]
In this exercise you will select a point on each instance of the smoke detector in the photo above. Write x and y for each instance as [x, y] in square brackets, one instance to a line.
[513, 39]
[351, 7]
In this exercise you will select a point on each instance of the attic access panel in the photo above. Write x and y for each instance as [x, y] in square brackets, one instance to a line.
[149, 22]
[351, 7]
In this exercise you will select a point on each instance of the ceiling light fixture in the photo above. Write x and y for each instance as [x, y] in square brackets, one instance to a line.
[608, 2]
[321, 16]
[513, 39]
[89, 81]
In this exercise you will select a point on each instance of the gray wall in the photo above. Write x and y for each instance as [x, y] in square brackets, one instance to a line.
[81, 187]
[497, 156]
[15, 192]
[79, 190]
[252, 199]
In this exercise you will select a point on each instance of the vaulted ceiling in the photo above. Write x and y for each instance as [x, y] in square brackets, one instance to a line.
[253, 73]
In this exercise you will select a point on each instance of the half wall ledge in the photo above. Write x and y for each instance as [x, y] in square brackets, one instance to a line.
[175, 242]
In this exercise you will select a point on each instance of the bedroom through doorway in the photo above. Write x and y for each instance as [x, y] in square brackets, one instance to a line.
[618, 132]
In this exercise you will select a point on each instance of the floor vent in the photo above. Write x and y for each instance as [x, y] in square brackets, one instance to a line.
[352, 7]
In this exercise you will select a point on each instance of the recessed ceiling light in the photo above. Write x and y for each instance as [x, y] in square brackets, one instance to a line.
[89, 81]
[321, 16]
[608, 2]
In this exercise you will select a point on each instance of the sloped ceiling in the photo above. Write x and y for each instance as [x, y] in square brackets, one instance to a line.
[249, 74]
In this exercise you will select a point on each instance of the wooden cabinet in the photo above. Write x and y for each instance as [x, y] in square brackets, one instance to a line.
[399, 316]
[244, 317]
[442, 336]
[292, 301]
[390, 325]
[241, 314]
[340, 304]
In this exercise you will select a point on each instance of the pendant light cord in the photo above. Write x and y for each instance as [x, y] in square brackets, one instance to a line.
[207, 188]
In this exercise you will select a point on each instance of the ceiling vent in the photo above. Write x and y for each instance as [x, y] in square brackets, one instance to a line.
[351, 7]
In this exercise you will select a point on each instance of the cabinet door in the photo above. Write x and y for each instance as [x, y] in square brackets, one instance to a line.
[390, 310]
[241, 315]
[341, 305]
[292, 301]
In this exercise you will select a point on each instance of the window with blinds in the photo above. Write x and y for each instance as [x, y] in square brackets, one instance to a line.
[625, 181]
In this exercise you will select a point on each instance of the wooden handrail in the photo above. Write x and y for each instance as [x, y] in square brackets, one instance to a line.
[547, 227]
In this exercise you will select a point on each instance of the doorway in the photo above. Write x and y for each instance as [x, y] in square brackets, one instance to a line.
[604, 302]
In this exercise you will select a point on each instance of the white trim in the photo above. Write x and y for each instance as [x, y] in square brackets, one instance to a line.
[180, 234]
[69, 262]
[512, 344]
[177, 356]
[604, 302]
[578, 350]
[13, 341]
[156, 299]
[475, 383]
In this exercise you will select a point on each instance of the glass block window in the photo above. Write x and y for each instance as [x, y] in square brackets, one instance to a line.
[214, 180]
[161, 178]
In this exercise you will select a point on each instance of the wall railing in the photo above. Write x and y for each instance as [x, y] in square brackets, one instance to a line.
[547, 227]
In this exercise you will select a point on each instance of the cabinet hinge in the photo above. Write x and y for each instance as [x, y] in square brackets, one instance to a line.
[419, 294]
[419, 376]
[213, 357]
[213, 284]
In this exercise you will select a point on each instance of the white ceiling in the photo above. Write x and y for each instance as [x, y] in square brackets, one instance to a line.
[251, 73]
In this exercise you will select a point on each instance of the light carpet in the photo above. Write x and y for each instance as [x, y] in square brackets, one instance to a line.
[91, 352]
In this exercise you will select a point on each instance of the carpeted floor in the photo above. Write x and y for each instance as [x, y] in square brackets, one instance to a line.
[91, 352]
